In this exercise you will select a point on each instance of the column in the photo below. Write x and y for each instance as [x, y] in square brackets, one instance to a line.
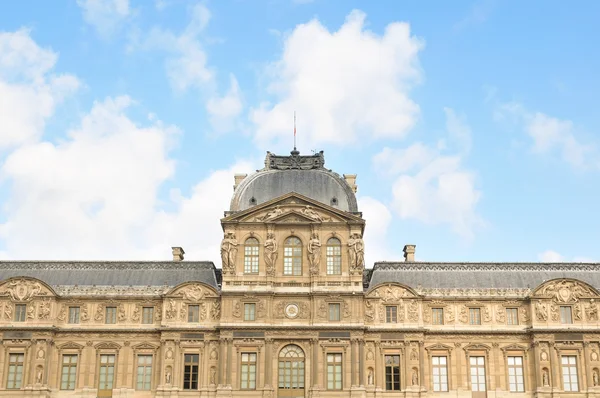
[352, 362]
[588, 368]
[221, 363]
[229, 369]
[268, 363]
[378, 366]
[422, 364]
[536, 362]
[458, 356]
[555, 366]
[315, 362]
[361, 363]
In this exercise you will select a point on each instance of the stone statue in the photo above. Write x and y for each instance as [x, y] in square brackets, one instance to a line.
[39, 375]
[541, 312]
[168, 376]
[270, 254]
[213, 375]
[356, 249]
[546, 378]
[314, 253]
[415, 377]
[272, 214]
[229, 252]
[370, 377]
[595, 380]
[310, 213]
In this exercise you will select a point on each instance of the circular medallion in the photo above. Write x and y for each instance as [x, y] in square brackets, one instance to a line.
[291, 311]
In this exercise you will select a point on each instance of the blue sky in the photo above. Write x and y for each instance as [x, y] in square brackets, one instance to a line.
[472, 125]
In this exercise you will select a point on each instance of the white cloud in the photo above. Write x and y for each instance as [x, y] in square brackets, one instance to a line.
[433, 187]
[551, 256]
[378, 218]
[224, 111]
[346, 86]
[29, 92]
[551, 135]
[105, 15]
[459, 130]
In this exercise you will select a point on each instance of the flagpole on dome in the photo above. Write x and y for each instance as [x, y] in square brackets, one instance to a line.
[295, 152]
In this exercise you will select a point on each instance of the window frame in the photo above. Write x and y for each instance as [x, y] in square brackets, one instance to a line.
[333, 256]
[20, 312]
[475, 316]
[246, 369]
[74, 309]
[437, 311]
[389, 371]
[145, 311]
[146, 371]
[249, 312]
[389, 311]
[293, 253]
[191, 364]
[112, 313]
[512, 316]
[251, 256]
[68, 366]
[193, 313]
[338, 370]
[444, 366]
[331, 310]
[510, 366]
[19, 369]
[566, 310]
[570, 375]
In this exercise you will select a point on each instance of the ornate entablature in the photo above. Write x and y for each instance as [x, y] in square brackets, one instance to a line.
[565, 291]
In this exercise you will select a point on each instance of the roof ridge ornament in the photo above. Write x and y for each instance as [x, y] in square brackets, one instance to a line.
[294, 161]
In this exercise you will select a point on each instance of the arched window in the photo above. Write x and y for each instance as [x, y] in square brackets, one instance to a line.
[292, 256]
[334, 256]
[251, 256]
[291, 371]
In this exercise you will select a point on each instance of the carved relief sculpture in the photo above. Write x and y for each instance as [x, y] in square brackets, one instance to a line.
[310, 213]
[591, 311]
[595, 378]
[229, 252]
[171, 312]
[22, 289]
[545, 378]
[463, 316]
[554, 315]
[277, 211]
[135, 316]
[577, 312]
[541, 311]
[369, 311]
[415, 377]
[356, 250]
[84, 314]
[99, 315]
[62, 315]
[413, 311]
[566, 291]
[237, 310]
[270, 254]
[500, 314]
[215, 310]
[121, 314]
[314, 253]
[31, 311]
[44, 310]
[487, 316]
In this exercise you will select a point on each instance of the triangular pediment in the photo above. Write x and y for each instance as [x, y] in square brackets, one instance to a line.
[293, 208]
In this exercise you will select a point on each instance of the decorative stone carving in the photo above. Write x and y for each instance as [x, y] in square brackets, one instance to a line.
[237, 310]
[543, 355]
[213, 375]
[229, 252]
[565, 291]
[121, 314]
[84, 315]
[413, 311]
[276, 212]
[270, 254]
[356, 250]
[415, 377]
[215, 310]
[62, 314]
[577, 312]
[171, 312]
[554, 314]
[22, 289]
[193, 293]
[347, 312]
[595, 378]
[314, 254]
[39, 374]
[591, 311]
[426, 314]
[310, 213]
[524, 314]
[449, 315]
[391, 294]
[168, 375]
[369, 311]
[487, 316]
[414, 356]
[182, 313]
[541, 311]
[136, 315]
[463, 316]
[545, 378]
[370, 377]
[44, 310]
[295, 161]
[500, 314]
[99, 315]
[31, 311]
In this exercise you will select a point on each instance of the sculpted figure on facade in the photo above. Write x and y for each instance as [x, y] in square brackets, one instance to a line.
[356, 250]
[595, 378]
[566, 291]
[270, 254]
[413, 311]
[62, 314]
[314, 253]
[591, 311]
[135, 316]
[524, 314]
[121, 314]
[44, 310]
[500, 314]
[99, 315]
[84, 314]
[310, 213]
[277, 211]
[22, 289]
[541, 311]
[369, 311]
[237, 310]
[229, 252]
[554, 314]
[415, 377]
[215, 310]
[31, 311]
[171, 312]
[545, 378]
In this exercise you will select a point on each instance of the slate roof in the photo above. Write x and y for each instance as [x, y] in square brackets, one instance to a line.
[110, 273]
[481, 275]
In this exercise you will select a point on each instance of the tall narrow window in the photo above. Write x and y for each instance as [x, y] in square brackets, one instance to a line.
[334, 311]
[190, 372]
[566, 315]
[193, 313]
[475, 316]
[334, 371]
[391, 314]
[15, 371]
[144, 372]
[249, 311]
[477, 373]
[334, 256]
[73, 314]
[392, 372]
[512, 316]
[20, 312]
[569, 371]
[111, 315]
[107, 374]
[440, 373]
[251, 256]
[515, 374]
[437, 316]
[69, 372]
[248, 371]
[292, 256]
[147, 315]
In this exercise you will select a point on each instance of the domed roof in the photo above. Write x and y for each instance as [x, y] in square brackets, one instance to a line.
[305, 175]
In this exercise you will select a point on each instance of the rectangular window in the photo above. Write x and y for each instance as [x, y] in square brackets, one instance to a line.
[440, 373]
[251, 258]
[334, 371]
[565, 314]
[190, 372]
[392, 372]
[249, 311]
[475, 316]
[144, 372]
[147, 315]
[477, 373]
[107, 372]
[20, 312]
[193, 313]
[334, 259]
[569, 371]
[111, 315]
[512, 316]
[391, 314]
[73, 314]
[248, 371]
[69, 372]
[334, 312]
[515, 374]
[437, 316]
[15, 370]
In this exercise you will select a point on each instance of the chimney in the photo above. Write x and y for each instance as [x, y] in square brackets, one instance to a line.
[237, 179]
[351, 180]
[178, 253]
[409, 253]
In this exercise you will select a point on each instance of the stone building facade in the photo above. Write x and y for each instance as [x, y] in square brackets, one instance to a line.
[293, 312]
